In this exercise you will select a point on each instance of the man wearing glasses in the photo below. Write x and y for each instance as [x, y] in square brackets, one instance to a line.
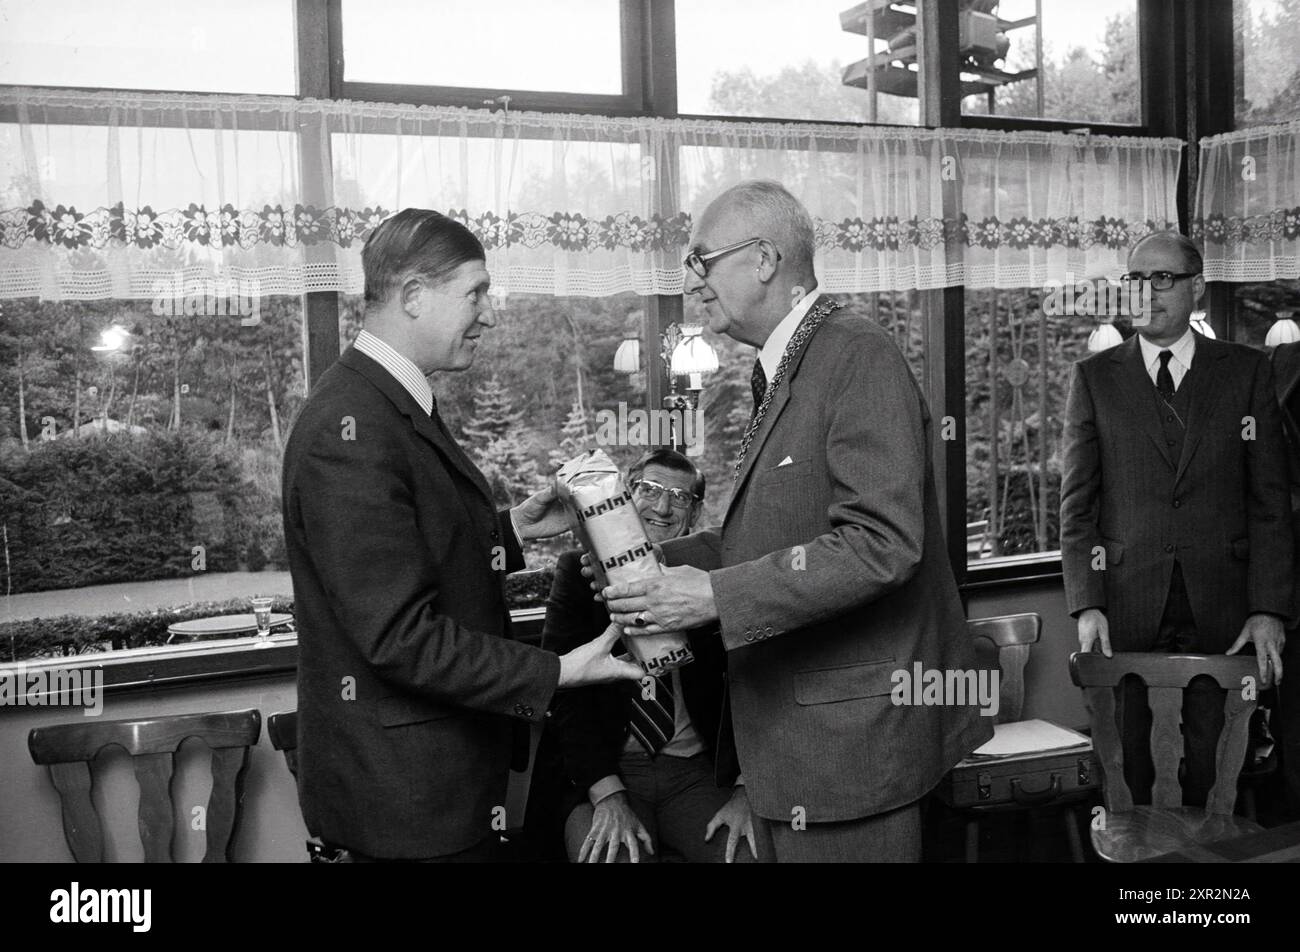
[653, 771]
[829, 573]
[1175, 510]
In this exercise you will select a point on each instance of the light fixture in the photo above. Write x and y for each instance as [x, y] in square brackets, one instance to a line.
[1201, 325]
[692, 357]
[1103, 337]
[627, 359]
[112, 338]
[1284, 330]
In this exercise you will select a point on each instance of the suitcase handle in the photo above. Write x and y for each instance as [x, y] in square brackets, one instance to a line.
[1028, 798]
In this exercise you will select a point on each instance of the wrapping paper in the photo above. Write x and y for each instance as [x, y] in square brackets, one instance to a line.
[602, 516]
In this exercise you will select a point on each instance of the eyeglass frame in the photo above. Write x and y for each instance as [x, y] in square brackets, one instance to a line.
[1173, 276]
[695, 256]
[673, 493]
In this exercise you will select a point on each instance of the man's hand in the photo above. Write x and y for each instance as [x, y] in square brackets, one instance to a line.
[735, 815]
[614, 825]
[1094, 630]
[679, 599]
[1269, 638]
[592, 663]
[541, 515]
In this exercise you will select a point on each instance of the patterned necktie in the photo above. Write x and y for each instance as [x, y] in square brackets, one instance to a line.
[1164, 379]
[652, 713]
[812, 320]
[757, 385]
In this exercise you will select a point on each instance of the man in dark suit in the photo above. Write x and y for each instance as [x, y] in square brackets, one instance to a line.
[653, 762]
[829, 575]
[1286, 374]
[411, 695]
[1175, 514]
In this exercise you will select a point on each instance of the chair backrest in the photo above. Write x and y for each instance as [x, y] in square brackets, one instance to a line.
[1166, 676]
[1011, 637]
[69, 750]
[282, 728]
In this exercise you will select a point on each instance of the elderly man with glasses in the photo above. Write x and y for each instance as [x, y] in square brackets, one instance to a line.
[1175, 509]
[651, 766]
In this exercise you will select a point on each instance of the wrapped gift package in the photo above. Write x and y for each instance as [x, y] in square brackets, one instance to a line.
[602, 516]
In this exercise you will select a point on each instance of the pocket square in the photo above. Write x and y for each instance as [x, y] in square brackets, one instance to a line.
[785, 462]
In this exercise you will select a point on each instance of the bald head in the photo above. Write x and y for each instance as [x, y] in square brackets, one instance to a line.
[1170, 241]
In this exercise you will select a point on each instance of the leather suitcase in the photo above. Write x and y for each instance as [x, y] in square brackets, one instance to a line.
[1034, 779]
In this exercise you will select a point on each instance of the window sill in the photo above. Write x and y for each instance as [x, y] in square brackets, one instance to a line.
[1013, 570]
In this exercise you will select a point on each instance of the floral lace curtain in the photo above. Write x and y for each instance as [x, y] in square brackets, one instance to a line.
[1248, 204]
[108, 194]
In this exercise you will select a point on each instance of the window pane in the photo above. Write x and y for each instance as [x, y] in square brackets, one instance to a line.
[790, 59]
[1267, 36]
[500, 44]
[150, 44]
[1015, 406]
[140, 468]
[1256, 309]
[1090, 66]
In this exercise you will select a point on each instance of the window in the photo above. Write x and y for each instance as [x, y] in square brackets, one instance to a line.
[1017, 376]
[498, 45]
[1266, 37]
[1256, 307]
[1089, 69]
[140, 461]
[150, 44]
[786, 59]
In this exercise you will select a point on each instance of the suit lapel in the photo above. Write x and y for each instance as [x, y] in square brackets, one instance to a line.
[1207, 365]
[1136, 389]
[779, 399]
[421, 422]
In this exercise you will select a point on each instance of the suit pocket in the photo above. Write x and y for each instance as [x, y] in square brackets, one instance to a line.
[398, 710]
[1239, 549]
[1114, 551]
[799, 469]
[844, 682]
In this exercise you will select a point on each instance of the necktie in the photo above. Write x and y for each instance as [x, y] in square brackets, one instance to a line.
[1164, 379]
[757, 385]
[653, 718]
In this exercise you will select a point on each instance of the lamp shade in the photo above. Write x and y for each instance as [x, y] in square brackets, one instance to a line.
[1284, 331]
[1201, 325]
[627, 359]
[1103, 338]
[693, 355]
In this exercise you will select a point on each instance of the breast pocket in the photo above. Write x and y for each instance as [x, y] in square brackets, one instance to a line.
[844, 682]
[776, 475]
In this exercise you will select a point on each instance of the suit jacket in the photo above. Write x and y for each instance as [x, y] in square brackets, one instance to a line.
[590, 724]
[830, 574]
[1221, 510]
[409, 689]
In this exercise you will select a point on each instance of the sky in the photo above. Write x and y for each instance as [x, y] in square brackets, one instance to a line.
[568, 44]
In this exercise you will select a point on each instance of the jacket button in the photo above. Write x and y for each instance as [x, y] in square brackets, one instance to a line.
[749, 636]
[528, 712]
[768, 629]
[519, 709]
[1169, 547]
[496, 534]
[1178, 503]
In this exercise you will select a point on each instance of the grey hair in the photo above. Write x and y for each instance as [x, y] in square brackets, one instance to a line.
[777, 215]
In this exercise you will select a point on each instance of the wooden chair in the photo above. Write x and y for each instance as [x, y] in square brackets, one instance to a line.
[1131, 833]
[69, 750]
[1006, 641]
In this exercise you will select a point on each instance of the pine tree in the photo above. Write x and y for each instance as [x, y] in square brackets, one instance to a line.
[575, 437]
[493, 435]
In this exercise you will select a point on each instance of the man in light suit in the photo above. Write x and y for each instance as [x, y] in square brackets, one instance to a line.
[1286, 373]
[1175, 512]
[412, 698]
[829, 573]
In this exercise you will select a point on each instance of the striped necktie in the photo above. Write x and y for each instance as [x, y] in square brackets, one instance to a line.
[652, 712]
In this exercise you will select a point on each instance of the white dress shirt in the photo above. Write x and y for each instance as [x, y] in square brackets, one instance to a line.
[402, 368]
[774, 347]
[1179, 364]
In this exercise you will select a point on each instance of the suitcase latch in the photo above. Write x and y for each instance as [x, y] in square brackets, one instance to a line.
[984, 785]
[1085, 771]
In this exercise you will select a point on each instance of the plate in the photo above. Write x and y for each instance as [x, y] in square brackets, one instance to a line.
[225, 624]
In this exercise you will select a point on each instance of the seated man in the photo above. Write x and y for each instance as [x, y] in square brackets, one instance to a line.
[645, 771]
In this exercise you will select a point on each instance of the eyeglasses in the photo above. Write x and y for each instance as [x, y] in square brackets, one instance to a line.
[1160, 280]
[651, 491]
[699, 262]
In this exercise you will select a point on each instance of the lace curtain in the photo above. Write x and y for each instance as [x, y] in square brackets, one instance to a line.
[1248, 204]
[108, 194]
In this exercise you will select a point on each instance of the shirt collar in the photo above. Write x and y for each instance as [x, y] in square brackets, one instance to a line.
[774, 347]
[402, 369]
[1183, 349]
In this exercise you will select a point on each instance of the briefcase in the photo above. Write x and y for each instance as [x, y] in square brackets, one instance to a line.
[1028, 779]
